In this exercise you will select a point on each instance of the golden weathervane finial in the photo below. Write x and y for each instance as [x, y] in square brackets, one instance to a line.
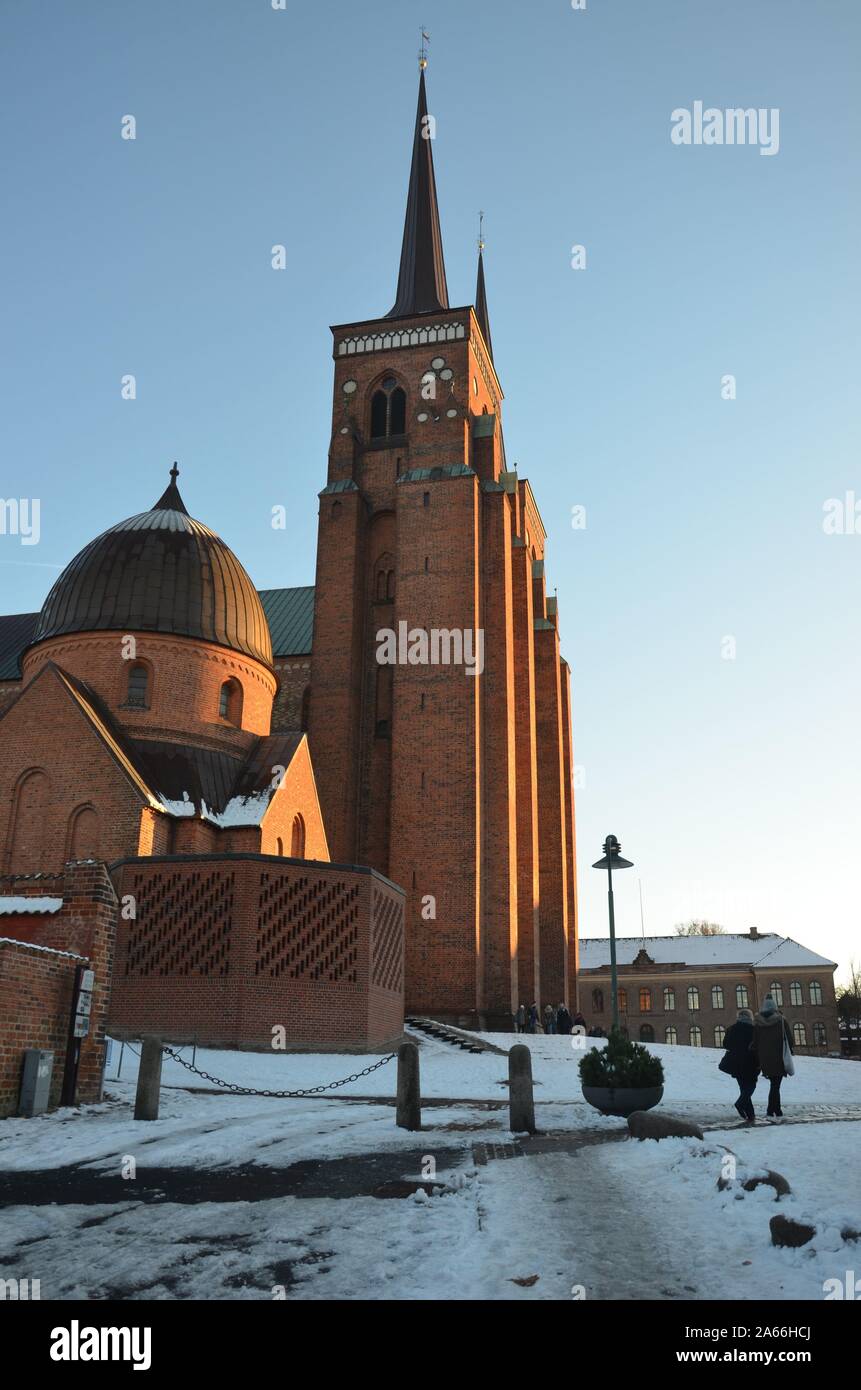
[481, 231]
[423, 52]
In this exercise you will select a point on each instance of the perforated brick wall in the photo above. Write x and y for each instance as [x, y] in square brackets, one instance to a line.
[223, 949]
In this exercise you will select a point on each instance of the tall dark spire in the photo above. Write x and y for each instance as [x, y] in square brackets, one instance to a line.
[481, 301]
[170, 500]
[421, 279]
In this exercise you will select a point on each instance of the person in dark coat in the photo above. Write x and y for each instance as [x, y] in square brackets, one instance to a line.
[770, 1034]
[563, 1020]
[740, 1062]
[579, 1021]
[532, 1019]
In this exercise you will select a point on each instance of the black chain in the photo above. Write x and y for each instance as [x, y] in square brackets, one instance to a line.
[278, 1095]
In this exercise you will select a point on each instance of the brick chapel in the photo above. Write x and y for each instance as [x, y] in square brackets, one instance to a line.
[286, 808]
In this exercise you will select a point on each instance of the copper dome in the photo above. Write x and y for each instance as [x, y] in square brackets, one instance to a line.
[160, 571]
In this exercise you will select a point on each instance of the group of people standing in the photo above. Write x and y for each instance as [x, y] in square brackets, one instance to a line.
[529, 1019]
[758, 1043]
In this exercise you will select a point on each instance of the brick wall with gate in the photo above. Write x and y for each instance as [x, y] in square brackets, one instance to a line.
[222, 949]
[40, 953]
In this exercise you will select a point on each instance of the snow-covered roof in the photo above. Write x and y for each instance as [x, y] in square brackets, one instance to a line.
[34, 946]
[764, 950]
[10, 905]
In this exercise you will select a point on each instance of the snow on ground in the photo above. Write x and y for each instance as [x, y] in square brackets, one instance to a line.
[616, 1220]
[447, 1072]
[690, 1073]
[726, 1234]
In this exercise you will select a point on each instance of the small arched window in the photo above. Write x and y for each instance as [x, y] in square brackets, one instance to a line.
[799, 1034]
[669, 999]
[598, 1001]
[741, 997]
[775, 989]
[815, 992]
[230, 702]
[795, 995]
[297, 838]
[647, 1033]
[693, 997]
[720, 1034]
[646, 1005]
[388, 410]
[696, 1035]
[279, 846]
[671, 1035]
[717, 996]
[623, 1001]
[137, 693]
[820, 1037]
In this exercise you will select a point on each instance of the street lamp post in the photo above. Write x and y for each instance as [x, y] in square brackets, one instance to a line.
[612, 860]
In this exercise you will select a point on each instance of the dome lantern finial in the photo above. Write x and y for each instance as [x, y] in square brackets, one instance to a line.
[170, 500]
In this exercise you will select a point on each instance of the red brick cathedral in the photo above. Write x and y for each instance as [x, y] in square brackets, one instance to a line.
[457, 786]
[415, 701]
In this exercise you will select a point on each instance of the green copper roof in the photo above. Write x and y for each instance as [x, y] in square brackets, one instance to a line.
[290, 615]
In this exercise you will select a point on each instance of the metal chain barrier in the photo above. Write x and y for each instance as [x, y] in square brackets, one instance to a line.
[278, 1095]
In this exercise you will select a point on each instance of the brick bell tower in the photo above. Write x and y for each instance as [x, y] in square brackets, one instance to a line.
[457, 786]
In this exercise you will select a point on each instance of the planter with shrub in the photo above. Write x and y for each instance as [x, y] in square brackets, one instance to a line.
[621, 1077]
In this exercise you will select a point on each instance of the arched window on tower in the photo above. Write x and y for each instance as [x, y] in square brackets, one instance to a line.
[384, 579]
[388, 410]
[306, 708]
[297, 838]
[230, 702]
[137, 691]
[379, 415]
[398, 411]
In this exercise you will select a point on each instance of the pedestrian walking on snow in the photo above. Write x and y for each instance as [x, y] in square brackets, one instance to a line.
[772, 1048]
[739, 1062]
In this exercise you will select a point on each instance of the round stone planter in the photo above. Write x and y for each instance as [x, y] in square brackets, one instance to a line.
[622, 1100]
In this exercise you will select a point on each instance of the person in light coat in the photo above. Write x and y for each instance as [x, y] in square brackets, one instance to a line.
[772, 1043]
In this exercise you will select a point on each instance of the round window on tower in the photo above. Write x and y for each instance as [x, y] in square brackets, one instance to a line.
[437, 363]
[349, 387]
[447, 374]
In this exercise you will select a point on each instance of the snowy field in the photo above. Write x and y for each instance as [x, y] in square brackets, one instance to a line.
[691, 1073]
[608, 1220]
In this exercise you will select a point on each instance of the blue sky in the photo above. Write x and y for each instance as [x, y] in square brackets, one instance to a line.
[733, 784]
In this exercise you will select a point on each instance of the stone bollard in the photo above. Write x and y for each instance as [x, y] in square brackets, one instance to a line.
[520, 1098]
[149, 1080]
[409, 1112]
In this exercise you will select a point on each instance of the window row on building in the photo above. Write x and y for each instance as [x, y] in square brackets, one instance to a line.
[671, 1034]
[138, 694]
[718, 999]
